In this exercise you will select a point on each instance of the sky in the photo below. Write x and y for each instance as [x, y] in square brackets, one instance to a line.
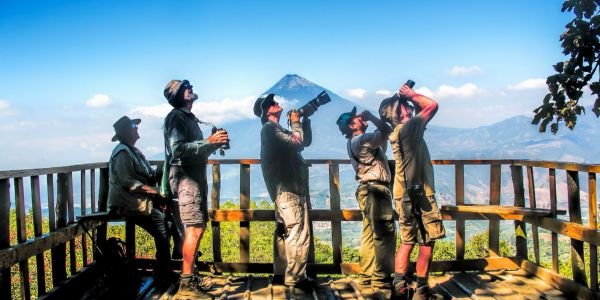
[70, 69]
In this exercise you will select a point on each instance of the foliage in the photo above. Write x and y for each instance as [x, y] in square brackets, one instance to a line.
[581, 45]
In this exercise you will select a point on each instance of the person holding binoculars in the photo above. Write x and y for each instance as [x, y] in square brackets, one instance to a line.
[187, 154]
[414, 192]
[286, 177]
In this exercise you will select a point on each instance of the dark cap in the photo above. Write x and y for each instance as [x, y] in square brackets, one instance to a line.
[123, 124]
[262, 104]
[344, 119]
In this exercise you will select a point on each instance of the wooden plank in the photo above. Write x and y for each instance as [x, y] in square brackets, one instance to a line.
[102, 206]
[93, 190]
[593, 223]
[497, 210]
[22, 236]
[53, 170]
[59, 253]
[25, 250]
[479, 264]
[130, 238]
[5, 282]
[244, 204]
[336, 224]
[571, 289]
[71, 219]
[36, 206]
[51, 211]
[533, 204]
[577, 255]
[215, 198]
[571, 230]
[494, 229]
[553, 210]
[520, 227]
[83, 212]
[459, 179]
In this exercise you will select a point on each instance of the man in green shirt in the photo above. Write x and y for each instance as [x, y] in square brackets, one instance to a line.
[286, 177]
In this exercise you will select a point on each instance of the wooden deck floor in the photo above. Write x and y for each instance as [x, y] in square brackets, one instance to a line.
[516, 284]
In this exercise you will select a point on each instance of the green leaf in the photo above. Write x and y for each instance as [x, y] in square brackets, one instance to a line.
[559, 67]
[547, 98]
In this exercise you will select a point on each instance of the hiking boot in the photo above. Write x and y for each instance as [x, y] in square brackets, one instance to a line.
[307, 286]
[194, 287]
[425, 293]
[401, 289]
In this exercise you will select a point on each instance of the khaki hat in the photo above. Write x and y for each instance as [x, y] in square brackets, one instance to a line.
[123, 124]
[262, 104]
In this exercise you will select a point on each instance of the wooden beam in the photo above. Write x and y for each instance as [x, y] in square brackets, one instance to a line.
[37, 231]
[459, 179]
[532, 204]
[244, 204]
[572, 230]
[571, 289]
[520, 228]
[25, 250]
[54, 170]
[593, 223]
[59, 252]
[215, 201]
[494, 229]
[577, 255]
[334, 200]
[5, 282]
[553, 210]
[83, 212]
[22, 236]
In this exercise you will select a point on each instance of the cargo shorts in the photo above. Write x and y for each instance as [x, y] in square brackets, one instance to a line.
[410, 232]
[191, 193]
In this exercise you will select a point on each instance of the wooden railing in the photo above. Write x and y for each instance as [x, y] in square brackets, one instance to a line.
[63, 230]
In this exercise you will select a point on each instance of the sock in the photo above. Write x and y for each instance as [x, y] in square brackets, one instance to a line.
[399, 276]
[422, 281]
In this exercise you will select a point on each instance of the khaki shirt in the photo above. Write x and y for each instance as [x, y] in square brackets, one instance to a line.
[372, 164]
[128, 169]
[409, 137]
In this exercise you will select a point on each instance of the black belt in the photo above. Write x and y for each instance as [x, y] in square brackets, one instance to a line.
[370, 182]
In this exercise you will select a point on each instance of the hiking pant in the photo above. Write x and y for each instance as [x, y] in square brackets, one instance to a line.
[292, 238]
[378, 239]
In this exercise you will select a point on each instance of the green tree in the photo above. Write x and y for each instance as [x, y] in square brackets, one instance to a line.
[581, 45]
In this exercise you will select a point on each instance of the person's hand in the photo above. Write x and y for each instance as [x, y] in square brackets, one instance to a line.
[294, 116]
[366, 115]
[219, 137]
[407, 92]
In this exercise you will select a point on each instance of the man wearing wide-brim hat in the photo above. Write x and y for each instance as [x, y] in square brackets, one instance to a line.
[131, 190]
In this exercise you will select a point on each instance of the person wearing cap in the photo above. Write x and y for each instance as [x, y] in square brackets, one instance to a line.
[414, 190]
[367, 156]
[132, 190]
[286, 176]
[187, 152]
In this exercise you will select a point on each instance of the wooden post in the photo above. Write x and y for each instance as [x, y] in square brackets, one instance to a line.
[51, 210]
[83, 212]
[494, 229]
[593, 222]
[5, 283]
[22, 236]
[130, 238]
[244, 204]
[336, 224]
[71, 220]
[532, 204]
[577, 256]
[37, 230]
[553, 212]
[520, 228]
[102, 206]
[59, 253]
[459, 179]
[93, 190]
[215, 198]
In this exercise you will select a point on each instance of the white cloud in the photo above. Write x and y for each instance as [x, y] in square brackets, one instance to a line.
[461, 71]
[468, 90]
[98, 101]
[529, 84]
[217, 112]
[384, 93]
[357, 93]
[5, 109]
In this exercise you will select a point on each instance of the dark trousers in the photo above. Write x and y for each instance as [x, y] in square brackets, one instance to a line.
[154, 224]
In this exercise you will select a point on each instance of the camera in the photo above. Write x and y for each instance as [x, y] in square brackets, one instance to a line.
[309, 108]
[224, 146]
[410, 84]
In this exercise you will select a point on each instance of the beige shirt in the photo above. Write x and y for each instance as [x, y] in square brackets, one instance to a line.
[372, 164]
[414, 165]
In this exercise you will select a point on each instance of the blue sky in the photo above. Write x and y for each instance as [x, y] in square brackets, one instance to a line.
[69, 69]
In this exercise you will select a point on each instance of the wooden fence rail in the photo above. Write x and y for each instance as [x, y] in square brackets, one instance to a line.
[65, 232]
